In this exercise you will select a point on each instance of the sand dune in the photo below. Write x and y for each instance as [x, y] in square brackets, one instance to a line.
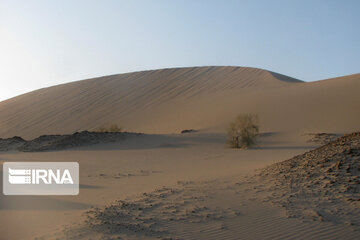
[169, 100]
[141, 101]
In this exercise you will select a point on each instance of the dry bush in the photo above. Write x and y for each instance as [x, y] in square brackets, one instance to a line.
[109, 128]
[243, 131]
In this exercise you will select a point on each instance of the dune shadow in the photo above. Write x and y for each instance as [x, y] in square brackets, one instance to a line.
[170, 145]
[285, 78]
[268, 134]
[85, 186]
[39, 203]
[152, 141]
[283, 147]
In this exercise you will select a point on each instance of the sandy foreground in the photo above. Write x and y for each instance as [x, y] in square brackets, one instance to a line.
[180, 186]
[167, 185]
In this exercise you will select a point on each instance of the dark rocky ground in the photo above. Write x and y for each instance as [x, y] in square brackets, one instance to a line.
[58, 142]
[322, 138]
[321, 184]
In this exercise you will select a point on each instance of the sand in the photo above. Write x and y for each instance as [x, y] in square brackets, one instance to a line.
[194, 179]
[170, 100]
[323, 184]
[167, 185]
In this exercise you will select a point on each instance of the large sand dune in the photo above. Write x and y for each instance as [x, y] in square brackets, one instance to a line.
[168, 100]
[159, 101]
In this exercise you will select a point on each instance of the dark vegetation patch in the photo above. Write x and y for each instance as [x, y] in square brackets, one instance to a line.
[58, 142]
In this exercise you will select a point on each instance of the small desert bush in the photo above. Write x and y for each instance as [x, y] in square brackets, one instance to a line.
[109, 128]
[243, 131]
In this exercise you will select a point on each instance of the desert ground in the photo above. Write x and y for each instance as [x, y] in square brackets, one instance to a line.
[163, 184]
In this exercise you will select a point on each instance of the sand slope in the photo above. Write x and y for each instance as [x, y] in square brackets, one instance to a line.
[322, 184]
[139, 101]
[169, 100]
[203, 210]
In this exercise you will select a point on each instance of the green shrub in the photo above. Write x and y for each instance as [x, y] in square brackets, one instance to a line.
[243, 131]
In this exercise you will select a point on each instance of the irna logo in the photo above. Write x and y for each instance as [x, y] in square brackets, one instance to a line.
[41, 178]
[37, 176]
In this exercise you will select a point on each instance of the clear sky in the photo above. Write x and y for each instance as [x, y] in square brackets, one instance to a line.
[43, 43]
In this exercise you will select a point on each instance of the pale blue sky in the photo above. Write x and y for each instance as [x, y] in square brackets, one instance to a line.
[43, 43]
